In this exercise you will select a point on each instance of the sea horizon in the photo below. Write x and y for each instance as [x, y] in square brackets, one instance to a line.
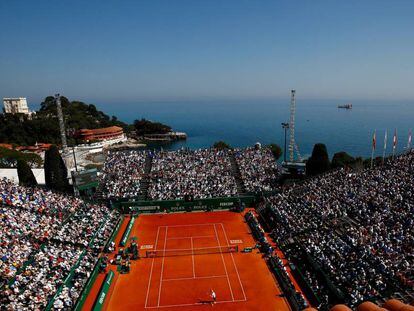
[242, 123]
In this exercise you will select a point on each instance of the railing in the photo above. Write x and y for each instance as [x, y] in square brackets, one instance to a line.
[127, 232]
[182, 205]
[103, 293]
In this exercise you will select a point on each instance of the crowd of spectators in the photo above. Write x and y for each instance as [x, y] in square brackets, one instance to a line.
[122, 173]
[39, 200]
[27, 218]
[42, 236]
[258, 168]
[71, 292]
[203, 173]
[357, 226]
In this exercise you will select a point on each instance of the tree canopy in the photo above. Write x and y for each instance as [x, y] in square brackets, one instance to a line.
[44, 126]
[342, 159]
[276, 150]
[26, 177]
[221, 145]
[143, 127]
[9, 158]
[319, 161]
[55, 170]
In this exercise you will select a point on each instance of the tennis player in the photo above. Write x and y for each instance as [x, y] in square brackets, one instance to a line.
[213, 296]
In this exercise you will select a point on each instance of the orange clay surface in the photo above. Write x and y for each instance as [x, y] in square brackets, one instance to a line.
[241, 281]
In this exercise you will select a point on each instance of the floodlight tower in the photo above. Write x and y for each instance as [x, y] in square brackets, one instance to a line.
[61, 123]
[292, 126]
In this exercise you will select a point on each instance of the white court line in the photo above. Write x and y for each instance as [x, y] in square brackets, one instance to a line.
[191, 225]
[162, 266]
[194, 304]
[152, 266]
[192, 256]
[189, 237]
[187, 249]
[225, 268]
[237, 271]
[196, 278]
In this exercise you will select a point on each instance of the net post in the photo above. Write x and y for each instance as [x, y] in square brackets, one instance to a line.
[150, 254]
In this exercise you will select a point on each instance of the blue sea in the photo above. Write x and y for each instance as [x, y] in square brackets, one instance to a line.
[243, 123]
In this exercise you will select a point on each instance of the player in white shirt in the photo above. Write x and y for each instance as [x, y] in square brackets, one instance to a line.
[213, 296]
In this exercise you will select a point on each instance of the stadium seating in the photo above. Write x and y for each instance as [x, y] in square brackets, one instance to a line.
[50, 244]
[350, 232]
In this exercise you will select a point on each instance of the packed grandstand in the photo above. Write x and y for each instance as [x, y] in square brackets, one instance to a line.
[45, 236]
[348, 234]
[202, 173]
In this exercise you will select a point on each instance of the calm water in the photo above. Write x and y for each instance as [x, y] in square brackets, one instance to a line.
[244, 123]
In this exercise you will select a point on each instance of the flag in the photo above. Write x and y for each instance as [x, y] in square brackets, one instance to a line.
[409, 140]
[374, 144]
[374, 140]
[394, 142]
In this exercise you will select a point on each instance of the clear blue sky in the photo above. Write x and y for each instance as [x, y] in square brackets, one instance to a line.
[126, 51]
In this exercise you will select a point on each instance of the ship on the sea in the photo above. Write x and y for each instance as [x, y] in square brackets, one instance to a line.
[346, 106]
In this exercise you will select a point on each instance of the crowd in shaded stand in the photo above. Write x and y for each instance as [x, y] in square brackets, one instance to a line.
[122, 173]
[295, 298]
[353, 230]
[258, 168]
[203, 173]
[258, 233]
[41, 242]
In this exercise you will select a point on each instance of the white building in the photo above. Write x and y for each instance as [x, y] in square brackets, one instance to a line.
[16, 105]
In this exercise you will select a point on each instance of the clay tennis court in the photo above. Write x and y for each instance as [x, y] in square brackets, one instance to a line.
[195, 253]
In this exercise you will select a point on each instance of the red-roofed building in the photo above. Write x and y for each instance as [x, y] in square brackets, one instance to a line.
[7, 146]
[39, 147]
[107, 133]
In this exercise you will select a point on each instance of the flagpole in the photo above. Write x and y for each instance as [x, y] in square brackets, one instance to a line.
[394, 144]
[385, 146]
[373, 148]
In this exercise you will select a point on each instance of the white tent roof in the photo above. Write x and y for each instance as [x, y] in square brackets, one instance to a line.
[11, 173]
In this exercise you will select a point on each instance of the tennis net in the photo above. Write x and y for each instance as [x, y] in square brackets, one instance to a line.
[192, 251]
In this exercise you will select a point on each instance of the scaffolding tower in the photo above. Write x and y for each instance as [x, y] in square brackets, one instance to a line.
[292, 144]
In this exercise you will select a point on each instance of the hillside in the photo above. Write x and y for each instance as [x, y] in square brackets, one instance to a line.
[44, 126]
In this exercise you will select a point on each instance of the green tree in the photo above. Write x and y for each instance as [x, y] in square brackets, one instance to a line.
[319, 161]
[342, 159]
[221, 145]
[55, 170]
[44, 126]
[26, 177]
[9, 158]
[143, 127]
[276, 150]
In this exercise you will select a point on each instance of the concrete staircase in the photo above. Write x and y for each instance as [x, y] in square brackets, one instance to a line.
[241, 189]
[145, 181]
